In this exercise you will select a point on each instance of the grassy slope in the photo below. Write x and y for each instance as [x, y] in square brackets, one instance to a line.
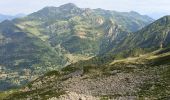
[155, 85]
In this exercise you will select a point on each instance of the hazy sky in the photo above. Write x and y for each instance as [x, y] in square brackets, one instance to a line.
[154, 8]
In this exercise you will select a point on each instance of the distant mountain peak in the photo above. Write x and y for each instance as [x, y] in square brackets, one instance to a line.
[134, 12]
[68, 5]
[62, 12]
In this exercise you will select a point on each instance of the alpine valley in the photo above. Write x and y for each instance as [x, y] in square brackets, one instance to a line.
[72, 53]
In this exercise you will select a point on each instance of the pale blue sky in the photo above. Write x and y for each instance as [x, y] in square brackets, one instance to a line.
[154, 8]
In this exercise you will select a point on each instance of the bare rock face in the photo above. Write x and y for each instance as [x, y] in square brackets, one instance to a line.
[87, 12]
[99, 21]
[112, 30]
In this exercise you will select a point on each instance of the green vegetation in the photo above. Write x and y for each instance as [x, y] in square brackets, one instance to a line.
[43, 41]
[42, 94]
[5, 94]
[155, 85]
[51, 73]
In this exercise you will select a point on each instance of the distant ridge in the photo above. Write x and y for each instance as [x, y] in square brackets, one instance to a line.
[10, 17]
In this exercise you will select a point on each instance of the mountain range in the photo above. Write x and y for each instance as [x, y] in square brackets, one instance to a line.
[54, 37]
[9, 17]
[104, 54]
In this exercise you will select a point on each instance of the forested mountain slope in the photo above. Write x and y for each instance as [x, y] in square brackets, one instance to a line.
[54, 37]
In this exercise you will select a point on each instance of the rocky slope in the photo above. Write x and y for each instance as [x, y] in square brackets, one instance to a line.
[145, 77]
